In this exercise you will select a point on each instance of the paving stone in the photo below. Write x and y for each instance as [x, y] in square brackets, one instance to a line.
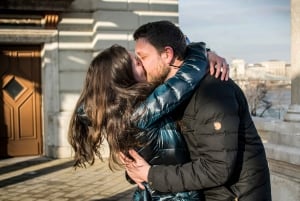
[41, 178]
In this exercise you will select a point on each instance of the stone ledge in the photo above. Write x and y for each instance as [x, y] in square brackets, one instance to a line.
[292, 172]
[293, 114]
[273, 137]
[276, 125]
[27, 35]
[283, 153]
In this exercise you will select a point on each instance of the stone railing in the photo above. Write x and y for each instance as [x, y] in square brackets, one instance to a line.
[282, 143]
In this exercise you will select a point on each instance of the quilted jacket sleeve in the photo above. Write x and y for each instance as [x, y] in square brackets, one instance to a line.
[167, 96]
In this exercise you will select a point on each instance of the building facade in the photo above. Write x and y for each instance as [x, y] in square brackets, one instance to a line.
[46, 47]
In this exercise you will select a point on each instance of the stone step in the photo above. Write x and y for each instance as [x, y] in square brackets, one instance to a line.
[278, 132]
[283, 153]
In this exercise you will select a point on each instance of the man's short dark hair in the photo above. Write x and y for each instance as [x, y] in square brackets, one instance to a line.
[161, 34]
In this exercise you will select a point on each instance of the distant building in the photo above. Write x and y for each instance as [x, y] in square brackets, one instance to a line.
[288, 72]
[238, 68]
[267, 70]
[255, 72]
[275, 67]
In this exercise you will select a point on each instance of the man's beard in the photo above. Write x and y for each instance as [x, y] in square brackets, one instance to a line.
[161, 78]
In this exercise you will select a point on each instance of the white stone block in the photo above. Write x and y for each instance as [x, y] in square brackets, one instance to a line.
[170, 6]
[71, 81]
[105, 39]
[139, 5]
[59, 152]
[75, 60]
[151, 18]
[76, 21]
[115, 20]
[283, 153]
[68, 101]
[110, 4]
[81, 5]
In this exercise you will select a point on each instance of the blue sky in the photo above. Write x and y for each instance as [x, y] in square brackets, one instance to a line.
[253, 30]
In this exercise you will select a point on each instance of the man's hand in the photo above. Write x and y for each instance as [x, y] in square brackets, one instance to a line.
[218, 65]
[136, 169]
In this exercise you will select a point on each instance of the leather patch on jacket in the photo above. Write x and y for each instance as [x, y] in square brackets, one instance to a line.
[217, 125]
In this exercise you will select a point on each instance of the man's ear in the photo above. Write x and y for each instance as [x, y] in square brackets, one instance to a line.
[168, 55]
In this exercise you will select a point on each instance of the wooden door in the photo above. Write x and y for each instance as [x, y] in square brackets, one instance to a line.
[20, 101]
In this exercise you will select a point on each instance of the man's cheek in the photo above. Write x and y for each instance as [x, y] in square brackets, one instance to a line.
[149, 69]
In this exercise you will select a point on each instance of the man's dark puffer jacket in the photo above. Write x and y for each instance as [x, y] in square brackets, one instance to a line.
[228, 157]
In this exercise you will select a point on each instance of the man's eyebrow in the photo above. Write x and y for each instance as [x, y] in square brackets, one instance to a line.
[139, 54]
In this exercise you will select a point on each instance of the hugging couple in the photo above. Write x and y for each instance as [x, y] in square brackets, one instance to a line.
[172, 118]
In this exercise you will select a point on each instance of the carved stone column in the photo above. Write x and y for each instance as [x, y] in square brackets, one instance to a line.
[293, 113]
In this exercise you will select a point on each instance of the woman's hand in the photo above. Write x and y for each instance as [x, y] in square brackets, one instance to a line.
[218, 65]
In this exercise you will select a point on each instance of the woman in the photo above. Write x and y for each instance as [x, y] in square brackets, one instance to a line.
[110, 108]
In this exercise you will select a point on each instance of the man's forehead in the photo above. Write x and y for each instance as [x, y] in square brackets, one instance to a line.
[143, 47]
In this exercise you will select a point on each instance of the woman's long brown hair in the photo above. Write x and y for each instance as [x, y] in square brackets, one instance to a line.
[109, 95]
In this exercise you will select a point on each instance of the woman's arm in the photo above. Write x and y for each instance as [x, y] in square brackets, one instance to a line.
[167, 96]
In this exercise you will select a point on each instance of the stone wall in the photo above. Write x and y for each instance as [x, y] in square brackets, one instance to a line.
[282, 143]
[71, 33]
[88, 27]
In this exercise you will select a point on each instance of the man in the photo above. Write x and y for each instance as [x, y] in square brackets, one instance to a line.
[228, 157]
